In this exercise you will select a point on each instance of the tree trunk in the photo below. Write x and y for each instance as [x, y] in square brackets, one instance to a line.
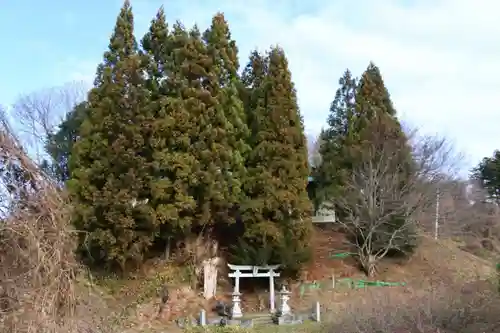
[369, 265]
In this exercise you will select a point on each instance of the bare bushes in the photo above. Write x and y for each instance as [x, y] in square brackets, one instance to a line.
[37, 263]
[393, 182]
[443, 309]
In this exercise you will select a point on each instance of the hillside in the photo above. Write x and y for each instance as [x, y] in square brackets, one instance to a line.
[437, 272]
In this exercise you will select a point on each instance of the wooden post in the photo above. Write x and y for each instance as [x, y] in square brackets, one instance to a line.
[317, 312]
[203, 318]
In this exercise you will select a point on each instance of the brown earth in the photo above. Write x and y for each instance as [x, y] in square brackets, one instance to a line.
[434, 264]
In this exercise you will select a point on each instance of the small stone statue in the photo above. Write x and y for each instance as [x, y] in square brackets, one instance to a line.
[222, 309]
[164, 298]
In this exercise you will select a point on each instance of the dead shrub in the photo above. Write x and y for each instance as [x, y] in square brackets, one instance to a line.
[443, 309]
[38, 289]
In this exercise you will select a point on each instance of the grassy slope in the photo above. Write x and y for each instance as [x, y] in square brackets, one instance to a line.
[437, 276]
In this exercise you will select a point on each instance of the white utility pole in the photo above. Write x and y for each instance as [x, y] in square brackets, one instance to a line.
[436, 222]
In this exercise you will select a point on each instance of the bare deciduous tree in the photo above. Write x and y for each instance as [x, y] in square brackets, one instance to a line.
[38, 113]
[436, 156]
[392, 183]
[470, 218]
[314, 145]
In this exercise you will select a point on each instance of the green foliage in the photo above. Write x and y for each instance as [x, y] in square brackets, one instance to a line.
[488, 173]
[220, 141]
[169, 136]
[277, 199]
[330, 175]
[363, 130]
[252, 251]
[163, 150]
[172, 141]
[377, 137]
[373, 104]
[60, 144]
[376, 130]
[286, 252]
[109, 164]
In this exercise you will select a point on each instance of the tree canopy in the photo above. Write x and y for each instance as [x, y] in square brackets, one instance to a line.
[488, 173]
[174, 141]
[277, 208]
[108, 165]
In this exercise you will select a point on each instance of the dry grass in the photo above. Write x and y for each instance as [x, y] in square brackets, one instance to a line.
[471, 309]
[444, 309]
[39, 290]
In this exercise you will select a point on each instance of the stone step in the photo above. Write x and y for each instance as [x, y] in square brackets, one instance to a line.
[264, 320]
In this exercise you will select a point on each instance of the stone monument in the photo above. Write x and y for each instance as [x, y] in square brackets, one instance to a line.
[284, 308]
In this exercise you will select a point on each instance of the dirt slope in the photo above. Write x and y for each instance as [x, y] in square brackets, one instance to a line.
[434, 263]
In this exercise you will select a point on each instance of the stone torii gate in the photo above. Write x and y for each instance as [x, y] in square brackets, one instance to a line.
[254, 272]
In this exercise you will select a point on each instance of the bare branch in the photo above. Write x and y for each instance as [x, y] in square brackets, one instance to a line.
[436, 156]
[314, 144]
[38, 113]
[37, 259]
[389, 188]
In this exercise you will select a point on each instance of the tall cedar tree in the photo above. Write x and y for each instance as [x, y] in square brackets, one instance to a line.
[488, 173]
[277, 214]
[109, 169]
[224, 147]
[253, 92]
[374, 124]
[374, 110]
[173, 164]
[329, 175]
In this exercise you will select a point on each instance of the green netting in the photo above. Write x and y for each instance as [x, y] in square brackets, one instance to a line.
[341, 255]
[356, 284]
[309, 286]
[363, 283]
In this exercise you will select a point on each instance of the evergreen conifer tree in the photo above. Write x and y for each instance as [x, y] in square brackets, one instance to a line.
[372, 100]
[488, 173]
[277, 213]
[60, 144]
[253, 92]
[108, 168]
[172, 163]
[375, 117]
[226, 129]
[374, 126]
[328, 176]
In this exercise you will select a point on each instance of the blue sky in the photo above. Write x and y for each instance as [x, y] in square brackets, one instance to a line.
[440, 58]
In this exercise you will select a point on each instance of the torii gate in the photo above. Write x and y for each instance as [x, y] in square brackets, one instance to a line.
[256, 271]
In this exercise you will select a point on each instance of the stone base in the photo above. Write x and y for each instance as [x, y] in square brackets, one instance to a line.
[236, 308]
[233, 322]
[289, 319]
